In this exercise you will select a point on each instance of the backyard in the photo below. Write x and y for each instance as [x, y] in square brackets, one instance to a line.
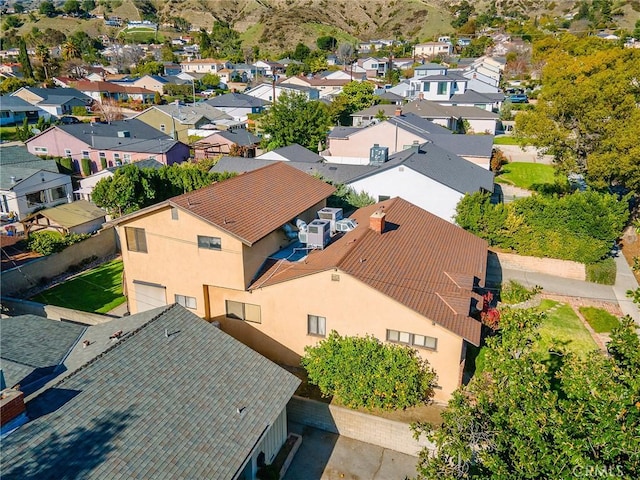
[98, 290]
[527, 175]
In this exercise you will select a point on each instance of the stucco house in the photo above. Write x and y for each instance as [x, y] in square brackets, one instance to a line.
[266, 91]
[229, 253]
[327, 87]
[353, 145]
[160, 394]
[179, 121]
[432, 49]
[55, 101]
[453, 117]
[100, 91]
[108, 144]
[204, 65]
[29, 183]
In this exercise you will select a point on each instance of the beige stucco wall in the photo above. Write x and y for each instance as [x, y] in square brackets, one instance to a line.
[349, 306]
[384, 134]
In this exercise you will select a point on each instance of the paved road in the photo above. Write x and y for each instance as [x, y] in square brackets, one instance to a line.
[326, 456]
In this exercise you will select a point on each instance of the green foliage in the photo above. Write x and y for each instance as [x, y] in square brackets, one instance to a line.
[23, 59]
[148, 66]
[530, 176]
[364, 372]
[531, 416]
[514, 292]
[12, 21]
[71, 7]
[210, 80]
[11, 84]
[48, 242]
[327, 43]
[79, 110]
[603, 272]
[346, 197]
[65, 165]
[47, 8]
[85, 167]
[294, 119]
[581, 226]
[357, 96]
[477, 47]
[600, 320]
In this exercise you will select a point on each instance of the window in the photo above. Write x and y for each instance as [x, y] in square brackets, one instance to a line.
[58, 193]
[85, 154]
[188, 302]
[127, 158]
[163, 127]
[102, 155]
[442, 88]
[116, 158]
[211, 243]
[243, 311]
[426, 86]
[174, 213]
[36, 198]
[413, 339]
[41, 150]
[316, 325]
[67, 153]
[136, 239]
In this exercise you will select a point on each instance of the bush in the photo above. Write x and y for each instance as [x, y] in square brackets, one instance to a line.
[85, 165]
[364, 372]
[48, 242]
[65, 165]
[514, 292]
[603, 272]
[79, 110]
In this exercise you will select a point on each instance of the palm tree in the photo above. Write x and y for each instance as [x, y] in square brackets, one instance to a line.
[42, 54]
[70, 50]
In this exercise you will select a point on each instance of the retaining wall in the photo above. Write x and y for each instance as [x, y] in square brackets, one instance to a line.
[549, 266]
[359, 426]
[18, 306]
[24, 277]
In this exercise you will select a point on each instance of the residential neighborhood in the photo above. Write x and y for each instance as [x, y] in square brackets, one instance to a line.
[235, 249]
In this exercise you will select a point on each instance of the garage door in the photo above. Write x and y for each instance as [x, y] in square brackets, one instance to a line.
[149, 295]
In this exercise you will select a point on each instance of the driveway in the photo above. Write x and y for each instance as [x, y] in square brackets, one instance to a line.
[327, 456]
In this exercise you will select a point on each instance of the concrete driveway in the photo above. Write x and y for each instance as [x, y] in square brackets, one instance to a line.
[327, 456]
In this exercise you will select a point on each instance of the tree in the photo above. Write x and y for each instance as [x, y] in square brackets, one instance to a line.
[11, 21]
[11, 84]
[327, 43]
[88, 5]
[636, 31]
[346, 53]
[42, 54]
[587, 111]
[210, 80]
[47, 8]
[364, 372]
[23, 59]
[18, 7]
[462, 13]
[157, 98]
[295, 119]
[355, 96]
[71, 7]
[301, 52]
[70, 50]
[148, 66]
[541, 414]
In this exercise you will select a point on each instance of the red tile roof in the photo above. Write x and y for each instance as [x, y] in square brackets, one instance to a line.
[421, 261]
[254, 204]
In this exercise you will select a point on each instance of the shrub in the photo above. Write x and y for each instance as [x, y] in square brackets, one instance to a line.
[65, 165]
[79, 110]
[514, 292]
[364, 372]
[48, 242]
[85, 165]
[603, 272]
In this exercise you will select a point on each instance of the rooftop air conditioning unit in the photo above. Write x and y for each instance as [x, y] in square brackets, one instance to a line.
[346, 225]
[318, 233]
[331, 214]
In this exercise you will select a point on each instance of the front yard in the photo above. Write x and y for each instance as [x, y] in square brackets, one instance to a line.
[98, 290]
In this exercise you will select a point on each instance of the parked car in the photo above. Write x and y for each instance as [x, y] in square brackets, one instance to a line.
[519, 98]
[207, 93]
[68, 119]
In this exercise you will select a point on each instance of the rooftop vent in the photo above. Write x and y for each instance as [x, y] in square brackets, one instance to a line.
[124, 134]
[378, 155]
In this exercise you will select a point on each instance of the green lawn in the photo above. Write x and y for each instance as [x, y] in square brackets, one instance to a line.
[563, 325]
[98, 290]
[526, 175]
[8, 134]
[600, 320]
[506, 140]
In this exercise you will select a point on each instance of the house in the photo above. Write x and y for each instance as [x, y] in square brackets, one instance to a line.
[238, 140]
[55, 101]
[426, 175]
[375, 67]
[155, 83]
[402, 275]
[108, 144]
[29, 183]
[87, 184]
[13, 111]
[488, 101]
[479, 120]
[238, 105]
[179, 121]
[162, 393]
[100, 91]
[76, 217]
[437, 87]
[326, 87]
[373, 114]
[353, 144]
[269, 69]
[292, 153]
[204, 65]
[268, 91]
[432, 49]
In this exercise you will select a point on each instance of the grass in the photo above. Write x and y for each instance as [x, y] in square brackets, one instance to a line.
[8, 134]
[505, 141]
[600, 320]
[603, 272]
[527, 175]
[563, 327]
[98, 290]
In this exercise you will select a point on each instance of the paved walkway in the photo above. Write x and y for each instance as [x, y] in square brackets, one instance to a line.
[326, 456]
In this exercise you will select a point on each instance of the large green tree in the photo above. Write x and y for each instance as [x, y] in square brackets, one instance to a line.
[587, 113]
[23, 59]
[295, 119]
[535, 414]
[355, 96]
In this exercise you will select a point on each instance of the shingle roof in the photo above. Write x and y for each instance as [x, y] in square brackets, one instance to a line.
[471, 96]
[465, 145]
[16, 161]
[294, 153]
[236, 100]
[31, 347]
[153, 406]
[45, 93]
[104, 136]
[252, 205]
[239, 136]
[343, 132]
[426, 263]
[9, 103]
[417, 125]
[372, 111]
[69, 215]
[429, 109]
[190, 114]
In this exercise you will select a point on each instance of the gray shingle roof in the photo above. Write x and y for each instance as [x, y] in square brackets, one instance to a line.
[418, 125]
[236, 100]
[190, 114]
[465, 145]
[240, 136]
[471, 96]
[46, 93]
[153, 407]
[31, 347]
[10, 103]
[295, 153]
[343, 132]
[16, 161]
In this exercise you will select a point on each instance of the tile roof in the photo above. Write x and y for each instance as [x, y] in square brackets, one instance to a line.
[153, 406]
[69, 215]
[426, 263]
[236, 100]
[251, 205]
[31, 347]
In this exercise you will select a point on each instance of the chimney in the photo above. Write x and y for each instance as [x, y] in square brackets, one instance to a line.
[416, 146]
[12, 407]
[376, 221]
[398, 112]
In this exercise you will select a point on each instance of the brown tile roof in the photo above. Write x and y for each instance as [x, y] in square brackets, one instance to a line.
[253, 204]
[421, 261]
